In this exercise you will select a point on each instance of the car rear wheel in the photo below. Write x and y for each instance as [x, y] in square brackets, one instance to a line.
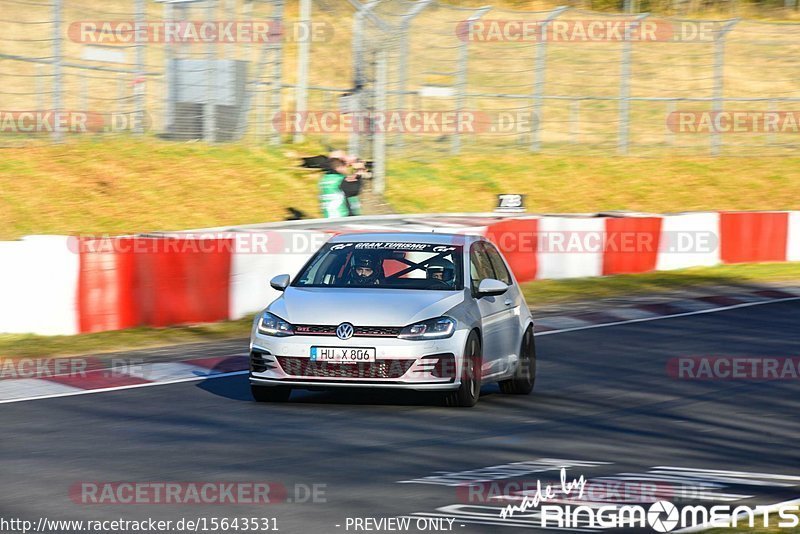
[523, 380]
[468, 393]
[271, 393]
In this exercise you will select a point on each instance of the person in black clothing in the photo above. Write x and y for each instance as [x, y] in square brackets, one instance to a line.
[351, 187]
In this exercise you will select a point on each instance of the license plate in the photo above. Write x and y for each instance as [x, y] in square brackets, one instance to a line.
[342, 354]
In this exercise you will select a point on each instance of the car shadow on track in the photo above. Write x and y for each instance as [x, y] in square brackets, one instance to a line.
[237, 388]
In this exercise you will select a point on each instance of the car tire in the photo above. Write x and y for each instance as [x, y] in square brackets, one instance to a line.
[466, 396]
[525, 377]
[271, 393]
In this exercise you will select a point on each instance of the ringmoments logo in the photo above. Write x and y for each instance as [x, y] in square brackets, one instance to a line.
[664, 516]
[660, 516]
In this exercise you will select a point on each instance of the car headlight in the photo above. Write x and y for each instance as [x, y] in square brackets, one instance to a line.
[272, 325]
[439, 328]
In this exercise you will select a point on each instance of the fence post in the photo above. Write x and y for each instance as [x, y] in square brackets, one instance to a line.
[402, 63]
[670, 134]
[719, 81]
[139, 87]
[379, 136]
[276, 96]
[85, 93]
[303, 51]
[58, 88]
[168, 117]
[119, 105]
[625, 87]
[40, 90]
[362, 12]
[539, 73]
[574, 121]
[210, 112]
[461, 77]
[772, 107]
[230, 15]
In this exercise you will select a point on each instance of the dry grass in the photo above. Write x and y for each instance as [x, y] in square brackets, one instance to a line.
[123, 185]
[564, 184]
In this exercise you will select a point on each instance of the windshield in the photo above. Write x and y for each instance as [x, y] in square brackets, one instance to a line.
[384, 265]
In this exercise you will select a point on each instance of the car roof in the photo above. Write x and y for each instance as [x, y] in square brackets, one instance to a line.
[433, 238]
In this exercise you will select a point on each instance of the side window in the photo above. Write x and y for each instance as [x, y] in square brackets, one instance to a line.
[479, 265]
[500, 269]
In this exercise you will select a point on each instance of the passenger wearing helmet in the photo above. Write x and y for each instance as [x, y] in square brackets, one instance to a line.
[442, 270]
[364, 272]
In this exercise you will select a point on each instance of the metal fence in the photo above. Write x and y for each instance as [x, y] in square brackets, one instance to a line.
[399, 78]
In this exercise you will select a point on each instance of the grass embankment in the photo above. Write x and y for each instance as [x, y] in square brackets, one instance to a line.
[123, 185]
[537, 293]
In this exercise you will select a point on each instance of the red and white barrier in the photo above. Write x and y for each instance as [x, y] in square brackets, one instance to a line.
[747, 237]
[518, 239]
[573, 247]
[793, 239]
[59, 285]
[38, 284]
[689, 240]
[251, 269]
[134, 281]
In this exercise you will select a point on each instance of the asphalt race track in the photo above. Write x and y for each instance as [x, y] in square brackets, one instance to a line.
[603, 397]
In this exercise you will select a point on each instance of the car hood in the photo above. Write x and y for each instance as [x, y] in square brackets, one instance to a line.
[362, 306]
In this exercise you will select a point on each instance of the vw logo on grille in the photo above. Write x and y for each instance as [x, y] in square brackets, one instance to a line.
[344, 331]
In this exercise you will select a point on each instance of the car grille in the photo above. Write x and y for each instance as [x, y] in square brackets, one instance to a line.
[380, 369]
[358, 331]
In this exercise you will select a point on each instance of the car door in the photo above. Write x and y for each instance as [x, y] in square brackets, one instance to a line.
[512, 299]
[493, 312]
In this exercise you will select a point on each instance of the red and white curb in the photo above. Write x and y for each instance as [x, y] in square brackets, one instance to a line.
[126, 377]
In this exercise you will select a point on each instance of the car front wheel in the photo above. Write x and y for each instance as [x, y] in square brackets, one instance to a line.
[467, 394]
[523, 380]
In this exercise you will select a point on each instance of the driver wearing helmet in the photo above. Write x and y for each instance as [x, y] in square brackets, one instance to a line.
[442, 270]
[364, 272]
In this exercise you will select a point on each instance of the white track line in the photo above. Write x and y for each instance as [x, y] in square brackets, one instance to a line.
[119, 388]
[549, 332]
[660, 317]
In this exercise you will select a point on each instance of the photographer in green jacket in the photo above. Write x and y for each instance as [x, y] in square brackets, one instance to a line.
[338, 191]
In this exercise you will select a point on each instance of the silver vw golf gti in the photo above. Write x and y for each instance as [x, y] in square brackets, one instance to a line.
[415, 311]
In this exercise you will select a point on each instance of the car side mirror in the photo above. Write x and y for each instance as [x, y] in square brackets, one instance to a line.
[489, 287]
[280, 282]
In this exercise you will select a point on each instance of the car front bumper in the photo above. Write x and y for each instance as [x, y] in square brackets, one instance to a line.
[429, 365]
